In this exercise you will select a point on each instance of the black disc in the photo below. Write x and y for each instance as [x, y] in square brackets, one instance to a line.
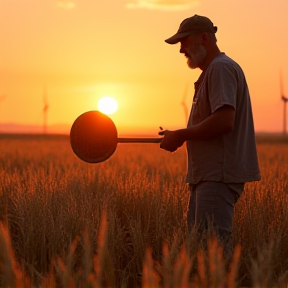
[93, 137]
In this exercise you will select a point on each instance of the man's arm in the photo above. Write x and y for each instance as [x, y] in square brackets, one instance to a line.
[218, 123]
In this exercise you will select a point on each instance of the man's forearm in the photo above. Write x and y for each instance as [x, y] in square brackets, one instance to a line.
[218, 123]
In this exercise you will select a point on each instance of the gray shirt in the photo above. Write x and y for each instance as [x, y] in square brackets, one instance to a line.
[232, 157]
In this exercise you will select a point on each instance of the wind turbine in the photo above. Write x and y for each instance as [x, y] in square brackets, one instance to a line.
[183, 103]
[285, 100]
[45, 110]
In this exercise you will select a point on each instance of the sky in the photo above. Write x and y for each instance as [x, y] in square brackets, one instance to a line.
[77, 51]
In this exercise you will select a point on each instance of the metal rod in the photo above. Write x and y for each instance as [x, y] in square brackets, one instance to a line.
[140, 140]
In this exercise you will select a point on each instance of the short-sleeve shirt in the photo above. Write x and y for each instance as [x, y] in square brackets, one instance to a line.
[231, 157]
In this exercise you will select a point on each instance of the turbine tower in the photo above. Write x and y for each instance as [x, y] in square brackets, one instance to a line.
[285, 100]
[45, 110]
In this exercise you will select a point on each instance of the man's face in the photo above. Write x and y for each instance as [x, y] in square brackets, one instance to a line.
[194, 51]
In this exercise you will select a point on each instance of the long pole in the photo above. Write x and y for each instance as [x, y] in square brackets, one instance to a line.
[139, 140]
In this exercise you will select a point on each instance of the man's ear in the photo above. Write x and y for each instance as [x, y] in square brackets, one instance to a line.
[205, 38]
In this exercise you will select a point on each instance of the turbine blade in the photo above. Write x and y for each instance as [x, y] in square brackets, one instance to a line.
[283, 97]
[45, 102]
[281, 85]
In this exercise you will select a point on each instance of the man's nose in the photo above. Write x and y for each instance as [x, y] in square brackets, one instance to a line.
[181, 50]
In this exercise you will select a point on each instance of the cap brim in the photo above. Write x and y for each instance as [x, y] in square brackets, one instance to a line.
[177, 37]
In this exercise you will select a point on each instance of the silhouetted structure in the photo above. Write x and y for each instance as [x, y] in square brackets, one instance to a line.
[285, 100]
[45, 110]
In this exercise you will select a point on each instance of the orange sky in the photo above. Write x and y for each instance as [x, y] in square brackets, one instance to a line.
[82, 50]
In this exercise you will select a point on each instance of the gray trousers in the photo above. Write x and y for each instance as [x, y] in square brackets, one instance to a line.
[212, 203]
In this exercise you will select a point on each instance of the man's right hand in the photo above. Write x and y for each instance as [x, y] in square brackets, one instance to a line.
[171, 140]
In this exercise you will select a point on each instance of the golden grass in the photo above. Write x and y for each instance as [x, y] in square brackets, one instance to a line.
[121, 223]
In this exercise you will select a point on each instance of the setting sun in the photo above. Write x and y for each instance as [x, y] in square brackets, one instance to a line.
[107, 105]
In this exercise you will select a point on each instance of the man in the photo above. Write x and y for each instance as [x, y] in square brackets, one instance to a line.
[220, 135]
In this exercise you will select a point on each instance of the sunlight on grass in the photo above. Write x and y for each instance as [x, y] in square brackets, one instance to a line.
[122, 223]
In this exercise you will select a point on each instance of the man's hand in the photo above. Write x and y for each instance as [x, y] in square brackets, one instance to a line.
[171, 140]
[218, 123]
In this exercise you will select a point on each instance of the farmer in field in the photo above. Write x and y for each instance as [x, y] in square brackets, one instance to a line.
[220, 135]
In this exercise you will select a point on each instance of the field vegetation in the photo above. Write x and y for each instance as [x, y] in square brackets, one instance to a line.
[122, 222]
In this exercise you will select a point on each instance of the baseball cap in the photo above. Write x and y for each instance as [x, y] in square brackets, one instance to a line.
[192, 25]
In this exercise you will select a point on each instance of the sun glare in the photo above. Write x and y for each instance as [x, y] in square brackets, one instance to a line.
[107, 105]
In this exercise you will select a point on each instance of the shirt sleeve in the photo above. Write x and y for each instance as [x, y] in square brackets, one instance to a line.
[222, 86]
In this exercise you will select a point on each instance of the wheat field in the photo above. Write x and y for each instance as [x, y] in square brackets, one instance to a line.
[121, 223]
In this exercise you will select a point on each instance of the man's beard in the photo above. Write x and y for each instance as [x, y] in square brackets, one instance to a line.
[195, 58]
